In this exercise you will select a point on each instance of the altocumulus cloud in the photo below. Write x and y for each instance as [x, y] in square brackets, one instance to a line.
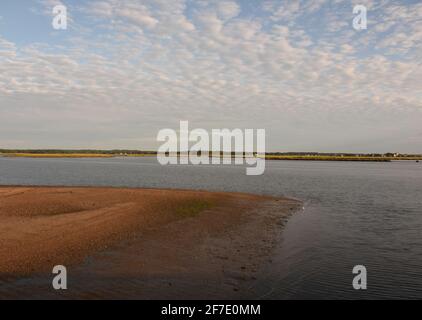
[125, 69]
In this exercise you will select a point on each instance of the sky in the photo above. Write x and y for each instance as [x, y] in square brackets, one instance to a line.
[125, 69]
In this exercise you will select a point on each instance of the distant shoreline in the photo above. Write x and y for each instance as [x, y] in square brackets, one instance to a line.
[269, 156]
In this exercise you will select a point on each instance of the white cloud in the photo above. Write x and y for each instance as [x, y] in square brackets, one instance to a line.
[139, 16]
[148, 65]
[228, 9]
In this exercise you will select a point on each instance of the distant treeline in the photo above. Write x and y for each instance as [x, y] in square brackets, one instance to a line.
[84, 151]
[148, 152]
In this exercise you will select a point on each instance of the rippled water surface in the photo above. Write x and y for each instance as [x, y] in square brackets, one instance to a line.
[355, 214]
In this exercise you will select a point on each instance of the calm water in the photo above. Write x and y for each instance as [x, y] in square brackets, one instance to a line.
[355, 213]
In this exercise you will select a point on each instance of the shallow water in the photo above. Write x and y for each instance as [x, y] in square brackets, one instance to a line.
[356, 213]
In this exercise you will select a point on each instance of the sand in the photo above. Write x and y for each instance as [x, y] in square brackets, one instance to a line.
[135, 243]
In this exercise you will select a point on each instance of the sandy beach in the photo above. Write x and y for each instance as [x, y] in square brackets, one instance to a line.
[135, 243]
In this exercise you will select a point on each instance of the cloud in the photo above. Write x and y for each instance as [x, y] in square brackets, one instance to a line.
[139, 16]
[297, 69]
[228, 9]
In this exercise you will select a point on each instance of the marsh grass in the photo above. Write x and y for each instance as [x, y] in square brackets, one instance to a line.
[110, 154]
[193, 207]
[338, 158]
[56, 155]
[140, 155]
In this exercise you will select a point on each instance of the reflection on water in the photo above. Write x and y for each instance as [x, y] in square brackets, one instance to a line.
[355, 213]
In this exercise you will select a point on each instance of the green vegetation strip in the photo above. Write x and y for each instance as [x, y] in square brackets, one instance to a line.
[192, 208]
[57, 153]
[342, 158]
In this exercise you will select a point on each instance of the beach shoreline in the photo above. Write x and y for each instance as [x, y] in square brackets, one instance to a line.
[135, 243]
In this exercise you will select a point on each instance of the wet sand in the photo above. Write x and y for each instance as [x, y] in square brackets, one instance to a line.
[136, 243]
